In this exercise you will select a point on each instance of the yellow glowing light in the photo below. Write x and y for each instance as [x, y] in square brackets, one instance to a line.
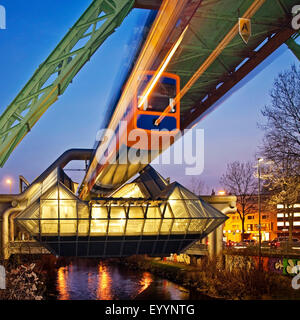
[9, 181]
[161, 69]
[221, 193]
[104, 284]
[62, 285]
[145, 282]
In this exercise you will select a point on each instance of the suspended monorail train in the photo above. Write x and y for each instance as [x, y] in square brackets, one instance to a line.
[136, 139]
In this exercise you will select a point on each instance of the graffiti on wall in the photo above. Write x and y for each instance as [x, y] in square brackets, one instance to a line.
[284, 266]
[181, 258]
[291, 266]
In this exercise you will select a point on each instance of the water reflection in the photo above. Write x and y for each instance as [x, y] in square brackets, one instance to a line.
[145, 281]
[62, 279]
[104, 283]
[88, 279]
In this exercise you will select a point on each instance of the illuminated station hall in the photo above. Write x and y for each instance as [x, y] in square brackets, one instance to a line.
[146, 216]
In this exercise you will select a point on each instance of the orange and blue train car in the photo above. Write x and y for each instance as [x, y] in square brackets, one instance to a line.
[136, 132]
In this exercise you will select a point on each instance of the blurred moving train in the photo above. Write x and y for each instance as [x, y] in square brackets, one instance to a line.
[136, 140]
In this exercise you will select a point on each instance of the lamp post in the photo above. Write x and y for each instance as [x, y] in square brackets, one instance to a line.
[259, 160]
[9, 182]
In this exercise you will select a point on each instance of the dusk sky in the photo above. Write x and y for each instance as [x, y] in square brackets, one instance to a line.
[35, 27]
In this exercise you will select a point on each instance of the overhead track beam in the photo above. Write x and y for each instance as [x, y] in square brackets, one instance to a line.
[54, 75]
[255, 6]
[148, 4]
[221, 46]
[192, 117]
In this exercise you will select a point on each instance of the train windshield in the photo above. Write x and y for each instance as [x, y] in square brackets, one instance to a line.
[161, 97]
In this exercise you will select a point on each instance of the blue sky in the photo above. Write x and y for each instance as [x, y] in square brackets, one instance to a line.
[35, 27]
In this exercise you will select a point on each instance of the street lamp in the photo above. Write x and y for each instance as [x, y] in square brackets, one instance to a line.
[9, 182]
[259, 161]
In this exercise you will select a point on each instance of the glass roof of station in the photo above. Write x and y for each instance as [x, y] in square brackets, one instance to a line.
[59, 216]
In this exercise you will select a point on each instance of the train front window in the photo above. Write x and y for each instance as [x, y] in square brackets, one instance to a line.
[161, 97]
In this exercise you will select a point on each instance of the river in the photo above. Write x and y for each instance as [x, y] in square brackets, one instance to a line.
[94, 280]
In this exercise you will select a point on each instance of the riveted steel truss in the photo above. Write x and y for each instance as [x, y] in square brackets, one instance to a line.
[55, 74]
[293, 45]
[200, 108]
[210, 25]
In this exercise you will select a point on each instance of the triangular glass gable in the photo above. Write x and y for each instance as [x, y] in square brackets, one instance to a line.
[31, 218]
[131, 190]
[177, 204]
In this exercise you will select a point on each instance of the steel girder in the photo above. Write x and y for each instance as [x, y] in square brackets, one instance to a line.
[294, 46]
[54, 75]
[199, 109]
[212, 22]
[148, 4]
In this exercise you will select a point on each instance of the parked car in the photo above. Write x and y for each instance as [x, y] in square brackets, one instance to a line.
[283, 242]
[230, 244]
[241, 245]
[245, 244]
[296, 246]
[266, 244]
[250, 242]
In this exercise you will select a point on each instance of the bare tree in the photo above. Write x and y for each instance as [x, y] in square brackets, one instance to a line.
[240, 181]
[283, 187]
[282, 127]
[199, 187]
[281, 143]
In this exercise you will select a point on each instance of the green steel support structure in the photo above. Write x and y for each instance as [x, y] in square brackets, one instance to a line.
[294, 46]
[54, 75]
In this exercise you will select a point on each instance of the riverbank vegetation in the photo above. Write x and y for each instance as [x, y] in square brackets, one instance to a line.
[215, 282]
[25, 280]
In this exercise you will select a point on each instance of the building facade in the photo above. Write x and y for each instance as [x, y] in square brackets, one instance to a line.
[233, 226]
[283, 220]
